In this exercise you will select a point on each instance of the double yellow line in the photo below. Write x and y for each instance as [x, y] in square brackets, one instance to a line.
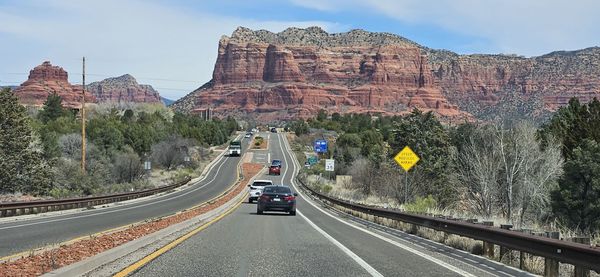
[174, 243]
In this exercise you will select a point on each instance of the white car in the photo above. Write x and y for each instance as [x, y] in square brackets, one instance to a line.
[256, 189]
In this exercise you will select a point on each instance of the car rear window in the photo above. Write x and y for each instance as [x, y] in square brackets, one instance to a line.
[261, 184]
[277, 190]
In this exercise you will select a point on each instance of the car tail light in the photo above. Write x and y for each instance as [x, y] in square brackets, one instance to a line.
[289, 198]
[264, 197]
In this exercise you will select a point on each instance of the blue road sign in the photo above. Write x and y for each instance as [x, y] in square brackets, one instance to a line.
[320, 146]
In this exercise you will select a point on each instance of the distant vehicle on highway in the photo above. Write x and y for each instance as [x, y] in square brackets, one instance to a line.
[235, 148]
[275, 168]
[276, 163]
[273, 130]
[256, 189]
[248, 135]
[277, 198]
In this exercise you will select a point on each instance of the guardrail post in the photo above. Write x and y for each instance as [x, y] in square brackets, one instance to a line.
[414, 229]
[488, 247]
[581, 271]
[551, 265]
[503, 250]
[521, 253]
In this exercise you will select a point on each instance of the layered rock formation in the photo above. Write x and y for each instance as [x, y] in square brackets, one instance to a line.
[123, 89]
[46, 79]
[478, 83]
[296, 72]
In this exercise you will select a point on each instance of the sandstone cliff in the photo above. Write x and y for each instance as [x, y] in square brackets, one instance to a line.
[296, 72]
[46, 79]
[123, 89]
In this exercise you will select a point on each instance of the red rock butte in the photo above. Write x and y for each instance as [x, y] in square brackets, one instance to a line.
[46, 79]
[297, 72]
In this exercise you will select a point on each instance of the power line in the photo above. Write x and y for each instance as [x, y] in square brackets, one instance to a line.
[179, 89]
[112, 76]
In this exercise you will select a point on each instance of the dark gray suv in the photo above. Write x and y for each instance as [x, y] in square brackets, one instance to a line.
[277, 198]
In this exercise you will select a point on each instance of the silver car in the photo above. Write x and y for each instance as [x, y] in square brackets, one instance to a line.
[256, 189]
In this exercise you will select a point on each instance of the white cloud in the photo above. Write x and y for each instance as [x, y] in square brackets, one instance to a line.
[142, 38]
[528, 27]
[330, 5]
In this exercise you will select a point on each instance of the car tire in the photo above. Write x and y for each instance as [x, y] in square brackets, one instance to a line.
[259, 211]
[250, 200]
[292, 212]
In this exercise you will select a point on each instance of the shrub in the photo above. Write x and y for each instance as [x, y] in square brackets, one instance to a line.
[421, 205]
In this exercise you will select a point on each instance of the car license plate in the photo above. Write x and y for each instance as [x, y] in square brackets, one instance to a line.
[276, 199]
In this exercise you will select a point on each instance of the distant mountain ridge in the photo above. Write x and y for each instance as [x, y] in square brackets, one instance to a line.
[296, 72]
[167, 102]
[124, 88]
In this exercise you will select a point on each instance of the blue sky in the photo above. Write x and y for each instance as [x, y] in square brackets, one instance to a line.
[172, 45]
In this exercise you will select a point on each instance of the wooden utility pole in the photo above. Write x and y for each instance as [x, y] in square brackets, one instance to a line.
[83, 122]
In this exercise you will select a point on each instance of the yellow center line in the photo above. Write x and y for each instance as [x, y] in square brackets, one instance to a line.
[130, 269]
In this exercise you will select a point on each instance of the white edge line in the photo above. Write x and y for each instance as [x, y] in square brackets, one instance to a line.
[371, 270]
[409, 249]
[122, 208]
[347, 251]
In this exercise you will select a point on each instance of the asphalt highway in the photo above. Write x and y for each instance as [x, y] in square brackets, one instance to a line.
[24, 234]
[315, 242]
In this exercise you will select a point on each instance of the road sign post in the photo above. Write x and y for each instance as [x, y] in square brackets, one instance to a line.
[329, 167]
[406, 159]
[320, 146]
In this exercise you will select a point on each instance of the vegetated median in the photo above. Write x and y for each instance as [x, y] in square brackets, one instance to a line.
[260, 143]
[71, 252]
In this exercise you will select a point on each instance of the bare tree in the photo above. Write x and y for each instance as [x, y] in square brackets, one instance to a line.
[506, 167]
[127, 167]
[479, 171]
[541, 169]
[171, 152]
[70, 146]
[513, 154]
[363, 176]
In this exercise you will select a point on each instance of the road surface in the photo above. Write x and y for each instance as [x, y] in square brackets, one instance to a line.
[316, 242]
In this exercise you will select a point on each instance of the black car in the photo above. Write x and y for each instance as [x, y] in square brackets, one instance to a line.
[273, 130]
[277, 198]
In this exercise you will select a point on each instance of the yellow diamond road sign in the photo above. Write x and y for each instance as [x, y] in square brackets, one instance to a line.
[406, 158]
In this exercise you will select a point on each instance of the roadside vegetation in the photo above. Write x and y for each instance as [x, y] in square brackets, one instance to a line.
[40, 150]
[532, 176]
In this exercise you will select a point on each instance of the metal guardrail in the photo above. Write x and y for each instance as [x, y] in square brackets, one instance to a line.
[32, 207]
[582, 255]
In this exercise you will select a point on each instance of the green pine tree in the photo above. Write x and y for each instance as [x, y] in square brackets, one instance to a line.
[428, 138]
[573, 124]
[52, 109]
[576, 202]
[21, 165]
